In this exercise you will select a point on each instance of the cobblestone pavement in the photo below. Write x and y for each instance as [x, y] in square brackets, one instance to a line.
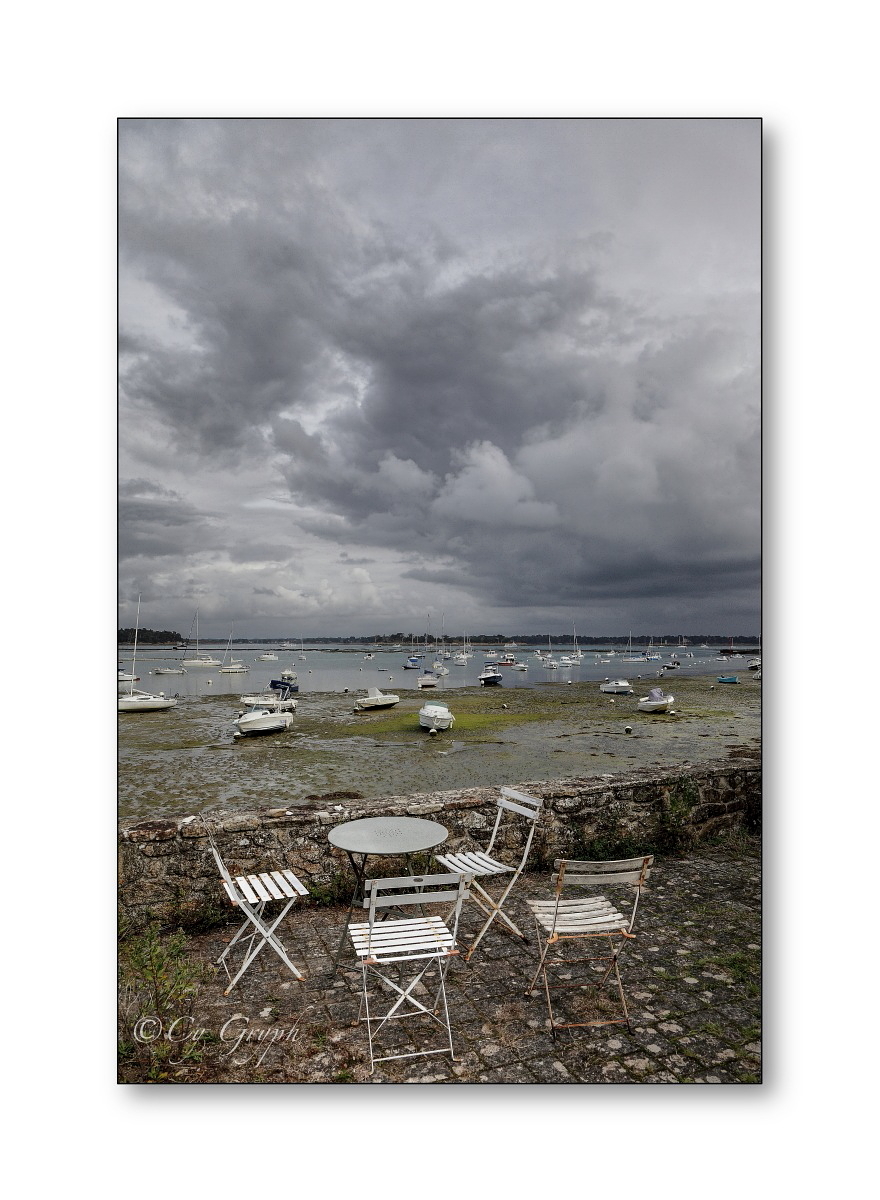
[692, 979]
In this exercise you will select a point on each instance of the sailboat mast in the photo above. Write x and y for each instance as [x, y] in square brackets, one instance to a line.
[137, 622]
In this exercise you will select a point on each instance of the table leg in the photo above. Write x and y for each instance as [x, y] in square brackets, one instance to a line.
[359, 872]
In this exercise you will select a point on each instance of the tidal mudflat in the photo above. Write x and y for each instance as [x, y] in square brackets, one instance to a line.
[181, 761]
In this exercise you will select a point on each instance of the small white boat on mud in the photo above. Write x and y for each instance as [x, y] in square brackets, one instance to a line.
[134, 701]
[434, 715]
[261, 720]
[375, 698]
[276, 699]
[138, 701]
[427, 680]
[616, 687]
[656, 701]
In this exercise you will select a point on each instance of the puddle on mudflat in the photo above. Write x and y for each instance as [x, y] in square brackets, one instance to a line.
[169, 763]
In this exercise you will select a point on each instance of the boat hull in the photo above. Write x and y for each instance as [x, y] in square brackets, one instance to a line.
[145, 703]
[435, 716]
[263, 721]
[616, 687]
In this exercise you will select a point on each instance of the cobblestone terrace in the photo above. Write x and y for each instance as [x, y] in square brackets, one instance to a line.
[692, 978]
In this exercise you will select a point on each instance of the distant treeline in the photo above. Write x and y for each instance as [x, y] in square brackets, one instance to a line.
[160, 636]
[125, 637]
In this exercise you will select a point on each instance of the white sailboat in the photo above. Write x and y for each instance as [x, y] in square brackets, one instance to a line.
[235, 666]
[200, 660]
[138, 701]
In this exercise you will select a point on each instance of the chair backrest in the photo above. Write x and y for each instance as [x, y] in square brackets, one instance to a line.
[583, 873]
[221, 866]
[420, 889]
[573, 872]
[512, 801]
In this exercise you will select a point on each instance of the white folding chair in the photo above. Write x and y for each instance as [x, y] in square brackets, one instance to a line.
[585, 917]
[481, 863]
[423, 941]
[252, 894]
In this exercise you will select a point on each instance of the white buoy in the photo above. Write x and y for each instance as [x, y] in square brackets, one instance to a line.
[432, 732]
[627, 729]
[568, 681]
[209, 681]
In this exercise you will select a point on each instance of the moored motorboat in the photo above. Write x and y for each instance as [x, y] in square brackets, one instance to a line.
[169, 671]
[268, 656]
[427, 680]
[260, 720]
[375, 698]
[490, 676]
[617, 687]
[434, 715]
[656, 701]
[520, 666]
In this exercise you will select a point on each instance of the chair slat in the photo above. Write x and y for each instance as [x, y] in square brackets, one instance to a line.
[523, 797]
[246, 890]
[531, 813]
[257, 884]
[383, 885]
[298, 887]
[398, 901]
[600, 867]
[271, 886]
[575, 880]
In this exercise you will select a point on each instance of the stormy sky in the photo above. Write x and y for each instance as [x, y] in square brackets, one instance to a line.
[502, 371]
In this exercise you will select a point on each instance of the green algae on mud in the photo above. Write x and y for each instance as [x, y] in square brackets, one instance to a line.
[177, 762]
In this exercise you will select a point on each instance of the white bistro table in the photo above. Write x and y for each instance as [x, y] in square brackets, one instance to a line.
[381, 835]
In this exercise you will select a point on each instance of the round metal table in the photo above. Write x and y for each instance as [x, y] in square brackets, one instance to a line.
[381, 835]
[387, 835]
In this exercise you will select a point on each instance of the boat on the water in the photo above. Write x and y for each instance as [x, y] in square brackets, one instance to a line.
[413, 663]
[520, 666]
[616, 687]
[234, 666]
[375, 698]
[199, 659]
[427, 679]
[261, 720]
[268, 656]
[169, 670]
[656, 701]
[490, 676]
[434, 715]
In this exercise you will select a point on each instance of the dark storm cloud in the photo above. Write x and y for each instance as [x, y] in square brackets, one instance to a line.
[525, 354]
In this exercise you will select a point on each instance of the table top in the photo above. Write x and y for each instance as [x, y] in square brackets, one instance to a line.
[388, 835]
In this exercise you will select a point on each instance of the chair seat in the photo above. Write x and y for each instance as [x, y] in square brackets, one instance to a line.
[473, 862]
[394, 941]
[268, 885]
[593, 915]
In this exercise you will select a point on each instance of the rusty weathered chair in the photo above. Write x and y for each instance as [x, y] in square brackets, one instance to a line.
[253, 894]
[583, 918]
[481, 864]
[418, 943]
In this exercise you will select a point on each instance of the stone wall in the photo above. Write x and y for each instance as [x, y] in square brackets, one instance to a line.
[166, 869]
